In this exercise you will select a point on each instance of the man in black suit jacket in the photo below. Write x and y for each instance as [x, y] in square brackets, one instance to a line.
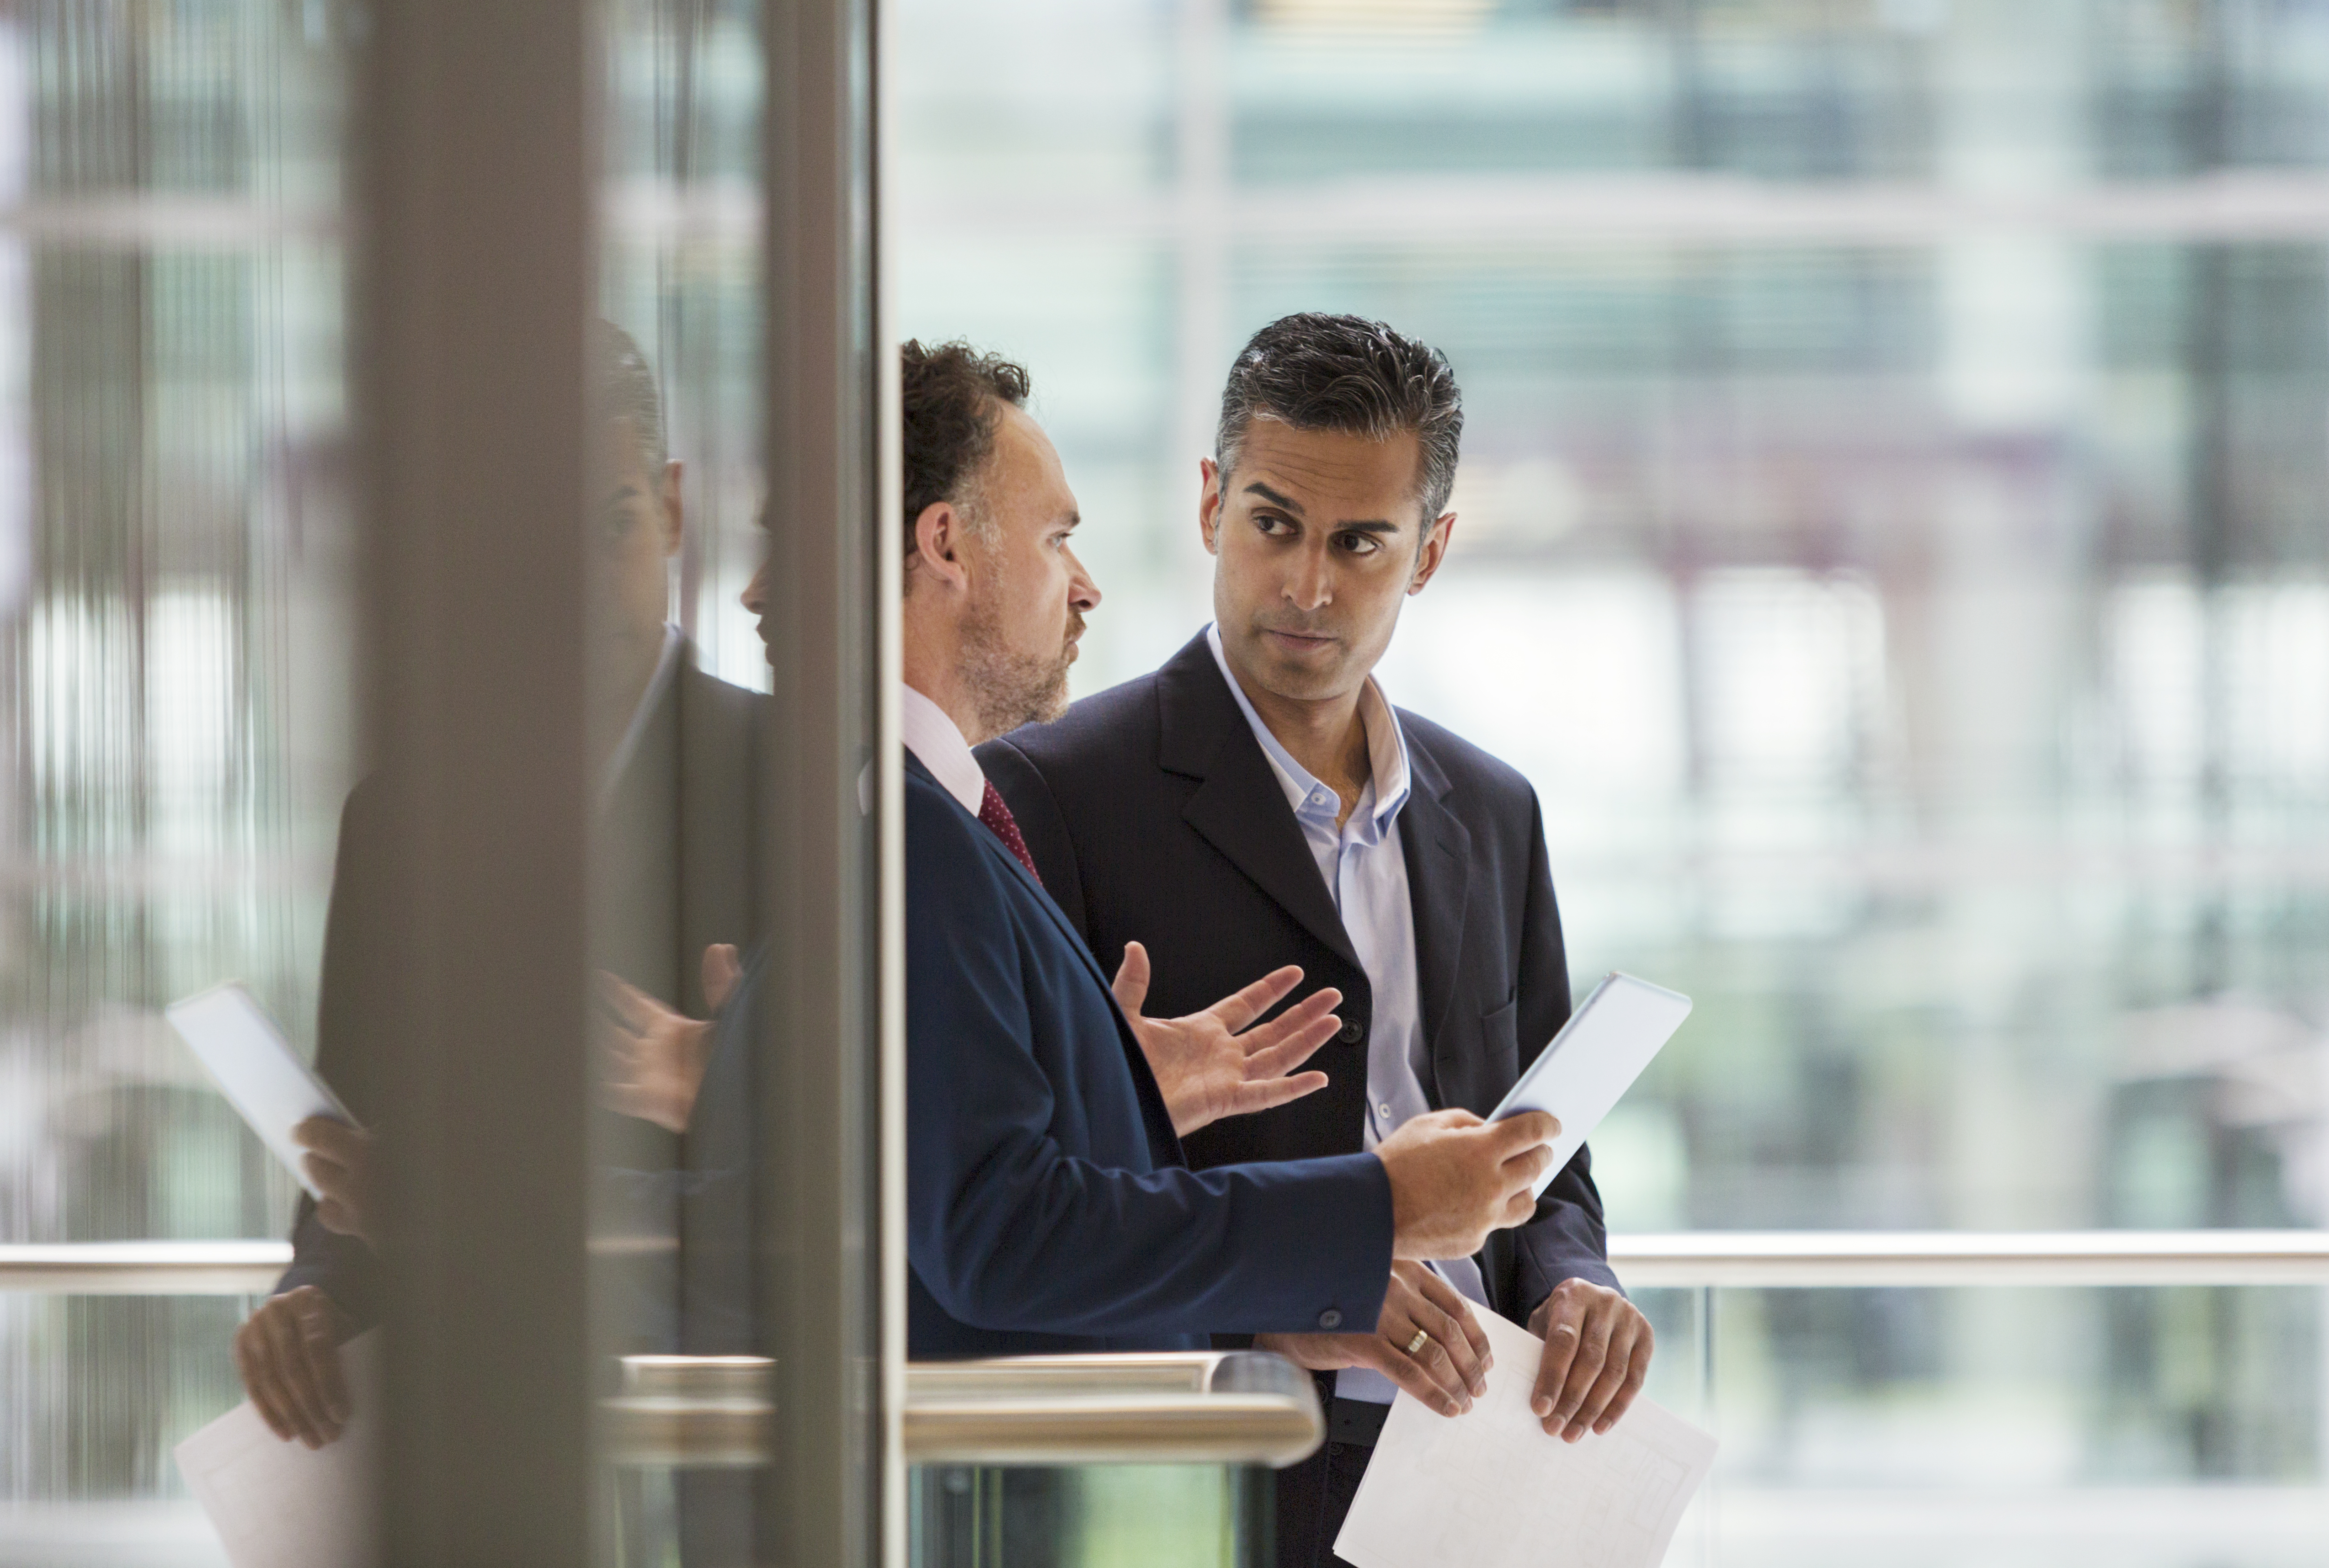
[1255, 802]
[674, 879]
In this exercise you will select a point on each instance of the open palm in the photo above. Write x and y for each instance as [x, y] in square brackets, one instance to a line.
[1212, 1063]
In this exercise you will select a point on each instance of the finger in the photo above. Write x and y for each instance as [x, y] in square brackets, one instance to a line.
[1447, 1333]
[625, 1003]
[722, 971]
[1563, 1331]
[1449, 1300]
[1292, 1051]
[320, 1337]
[334, 1140]
[302, 1402]
[1515, 1134]
[1131, 984]
[1636, 1370]
[1317, 1007]
[1595, 1402]
[331, 1178]
[1521, 1171]
[1427, 1374]
[251, 1359]
[1238, 1009]
[1262, 1094]
[1592, 1355]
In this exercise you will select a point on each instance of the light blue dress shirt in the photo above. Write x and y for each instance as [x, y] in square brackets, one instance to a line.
[1365, 872]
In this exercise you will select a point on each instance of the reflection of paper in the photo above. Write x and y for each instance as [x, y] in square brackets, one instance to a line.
[284, 1504]
[1488, 1488]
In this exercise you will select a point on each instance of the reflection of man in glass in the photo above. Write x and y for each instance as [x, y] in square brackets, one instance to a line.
[1260, 796]
[674, 888]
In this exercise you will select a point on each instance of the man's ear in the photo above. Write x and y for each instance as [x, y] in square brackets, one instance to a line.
[938, 545]
[1208, 505]
[1434, 551]
[669, 507]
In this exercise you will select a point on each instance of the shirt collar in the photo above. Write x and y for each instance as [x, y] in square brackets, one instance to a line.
[1386, 751]
[936, 740]
[666, 662]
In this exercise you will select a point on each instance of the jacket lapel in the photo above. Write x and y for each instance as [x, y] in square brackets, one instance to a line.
[1238, 807]
[995, 847]
[1439, 853]
[1164, 1144]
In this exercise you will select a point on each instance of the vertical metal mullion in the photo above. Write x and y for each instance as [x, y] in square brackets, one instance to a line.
[477, 164]
[826, 1500]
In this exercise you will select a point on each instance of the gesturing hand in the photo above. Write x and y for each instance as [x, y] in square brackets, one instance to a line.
[1211, 1065]
[652, 1058]
[1447, 1371]
[1596, 1351]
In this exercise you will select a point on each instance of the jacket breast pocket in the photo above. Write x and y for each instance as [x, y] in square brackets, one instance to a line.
[1500, 1042]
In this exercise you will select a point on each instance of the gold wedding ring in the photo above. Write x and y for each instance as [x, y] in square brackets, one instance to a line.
[1422, 1337]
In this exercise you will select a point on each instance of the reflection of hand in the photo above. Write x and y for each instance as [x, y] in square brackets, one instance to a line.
[1454, 1179]
[288, 1353]
[339, 1162]
[722, 971]
[1207, 1069]
[653, 1056]
[1447, 1373]
[1596, 1351]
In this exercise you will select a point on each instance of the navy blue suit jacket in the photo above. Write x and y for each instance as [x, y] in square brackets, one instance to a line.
[1048, 1207]
[1154, 816]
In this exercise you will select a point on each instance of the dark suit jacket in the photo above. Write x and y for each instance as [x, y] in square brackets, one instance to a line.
[675, 870]
[1047, 1208]
[1152, 814]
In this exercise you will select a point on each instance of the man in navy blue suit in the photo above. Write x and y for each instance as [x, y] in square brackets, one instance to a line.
[1049, 1206]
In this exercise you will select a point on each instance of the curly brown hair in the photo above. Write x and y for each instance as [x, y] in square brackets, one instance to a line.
[951, 397]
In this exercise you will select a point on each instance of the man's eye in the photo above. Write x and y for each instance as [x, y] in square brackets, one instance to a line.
[1270, 524]
[1361, 543]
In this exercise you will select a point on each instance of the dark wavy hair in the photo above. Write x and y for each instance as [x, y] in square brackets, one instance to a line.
[953, 397]
[1345, 374]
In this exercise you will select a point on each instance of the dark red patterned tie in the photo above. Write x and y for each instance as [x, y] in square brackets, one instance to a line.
[1006, 827]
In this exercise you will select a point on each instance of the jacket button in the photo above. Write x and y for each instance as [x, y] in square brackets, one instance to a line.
[1353, 1031]
[1331, 1318]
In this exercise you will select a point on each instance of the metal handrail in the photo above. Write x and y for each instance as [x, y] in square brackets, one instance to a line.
[1214, 1407]
[1754, 1259]
[1829, 1260]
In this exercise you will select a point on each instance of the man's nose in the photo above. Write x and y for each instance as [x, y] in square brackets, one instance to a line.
[1083, 593]
[1310, 585]
[755, 596]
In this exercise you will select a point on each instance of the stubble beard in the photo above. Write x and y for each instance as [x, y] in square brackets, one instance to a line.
[1009, 687]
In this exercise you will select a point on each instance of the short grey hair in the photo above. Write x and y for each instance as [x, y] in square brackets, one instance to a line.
[624, 386]
[1345, 374]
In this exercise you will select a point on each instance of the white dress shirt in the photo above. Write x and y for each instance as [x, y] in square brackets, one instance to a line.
[936, 740]
[1365, 872]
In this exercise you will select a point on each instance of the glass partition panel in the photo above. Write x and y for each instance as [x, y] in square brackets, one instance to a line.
[1891, 530]
[178, 679]
[1098, 1517]
[2158, 1425]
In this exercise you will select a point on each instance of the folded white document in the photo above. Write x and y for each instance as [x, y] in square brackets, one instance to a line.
[1489, 1489]
[284, 1504]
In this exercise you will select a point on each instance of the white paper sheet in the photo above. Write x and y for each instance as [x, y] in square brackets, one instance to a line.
[1489, 1489]
[284, 1504]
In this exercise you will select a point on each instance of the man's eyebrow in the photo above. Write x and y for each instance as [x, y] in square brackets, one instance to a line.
[1258, 488]
[1287, 503]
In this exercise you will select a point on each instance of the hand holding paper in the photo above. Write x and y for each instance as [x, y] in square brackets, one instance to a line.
[1489, 1489]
